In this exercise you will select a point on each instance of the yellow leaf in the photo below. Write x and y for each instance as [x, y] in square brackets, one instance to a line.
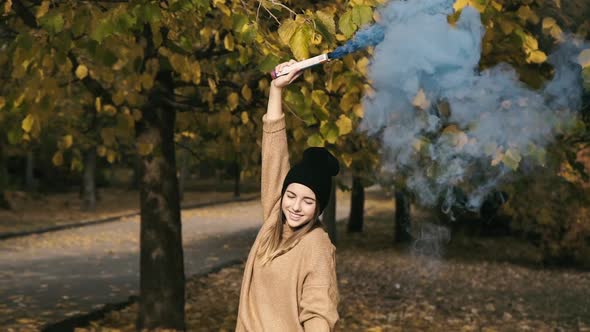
[7, 6]
[344, 125]
[212, 85]
[348, 100]
[327, 20]
[530, 43]
[43, 9]
[548, 22]
[583, 59]
[58, 158]
[111, 156]
[347, 159]
[19, 100]
[286, 30]
[246, 93]
[498, 155]
[506, 26]
[245, 118]
[146, 80]
[526, 14]
[417, 144]
[28, 122]
[108, 136]
[196, 71]
[362, 65]
[81, 72]
[536, 57]
[497, 6]
[228, 42]
[556, 33]
[98, 104]
[358, 110]
[460, 4]
[136, 114]
[67, 142]
[109, 109]
[233, 100]
[101, 151]
[299, 43]
[263, 85]
[144, 149]
[420, 100]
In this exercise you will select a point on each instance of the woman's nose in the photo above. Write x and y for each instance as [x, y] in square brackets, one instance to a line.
[296, 205]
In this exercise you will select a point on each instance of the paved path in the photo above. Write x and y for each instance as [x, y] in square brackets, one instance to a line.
[48, 277]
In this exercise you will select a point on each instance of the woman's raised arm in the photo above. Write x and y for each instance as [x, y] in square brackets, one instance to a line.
[275, 153]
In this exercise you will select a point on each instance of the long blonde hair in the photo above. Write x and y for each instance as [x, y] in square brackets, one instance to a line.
[271, 246]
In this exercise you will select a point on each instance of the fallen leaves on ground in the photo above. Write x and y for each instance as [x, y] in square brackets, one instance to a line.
[384, 288]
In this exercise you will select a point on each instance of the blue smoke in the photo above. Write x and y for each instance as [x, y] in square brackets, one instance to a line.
[364, 38]
[421, 54]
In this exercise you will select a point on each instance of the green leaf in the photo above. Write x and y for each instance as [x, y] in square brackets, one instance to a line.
[346, 25]
[362, 15]
[249, 32]
[268, 63]
[325, 25]
[52, 22]
[238, 22]
[329, 131]
[148, 13]
[315, 140]
[320, 97]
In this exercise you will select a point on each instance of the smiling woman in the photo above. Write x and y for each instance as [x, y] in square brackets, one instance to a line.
[289, 280]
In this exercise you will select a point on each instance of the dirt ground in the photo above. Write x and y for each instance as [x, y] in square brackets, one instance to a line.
[465, 287]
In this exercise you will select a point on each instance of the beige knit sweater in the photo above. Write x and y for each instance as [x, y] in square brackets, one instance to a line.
[296, 291]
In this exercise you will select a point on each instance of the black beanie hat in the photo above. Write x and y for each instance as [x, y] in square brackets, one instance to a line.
[315, 171]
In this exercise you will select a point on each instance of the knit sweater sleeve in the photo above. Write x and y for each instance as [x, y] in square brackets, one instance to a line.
[319, 298]
[275, 163]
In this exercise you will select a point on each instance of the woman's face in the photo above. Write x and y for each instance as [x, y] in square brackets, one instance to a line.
[298, 205]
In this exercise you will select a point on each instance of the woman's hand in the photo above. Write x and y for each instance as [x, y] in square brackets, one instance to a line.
[283, 81]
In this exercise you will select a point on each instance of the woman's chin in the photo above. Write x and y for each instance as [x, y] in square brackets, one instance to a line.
[295, 223]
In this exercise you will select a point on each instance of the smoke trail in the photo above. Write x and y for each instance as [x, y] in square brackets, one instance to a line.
[422, 61]
[364, 38]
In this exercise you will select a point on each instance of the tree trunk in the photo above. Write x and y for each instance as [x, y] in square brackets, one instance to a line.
[357, 206]
[183, 174]
[162, 279]
[89, 180]
[329, 215]
[29, 177]
[4, 204]
[402, 217]
[237, 168]
[136, 170]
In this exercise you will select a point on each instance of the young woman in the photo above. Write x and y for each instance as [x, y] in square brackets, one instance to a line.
[289, 280]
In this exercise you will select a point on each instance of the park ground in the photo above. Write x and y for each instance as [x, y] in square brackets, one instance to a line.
[468, 285]
[32, 212]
